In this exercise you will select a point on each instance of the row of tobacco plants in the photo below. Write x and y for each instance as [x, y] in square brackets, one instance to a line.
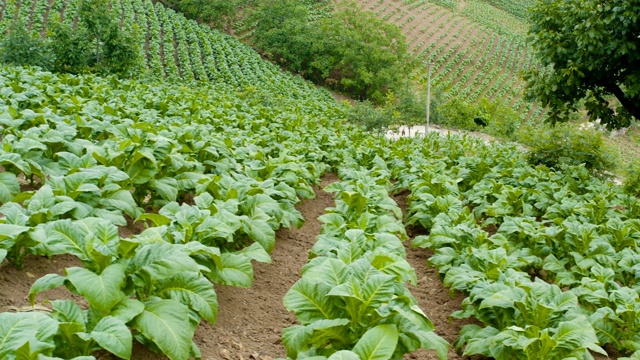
[352, 301]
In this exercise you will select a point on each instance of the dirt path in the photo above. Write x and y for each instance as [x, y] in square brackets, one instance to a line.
[434, 299]
[250, 321]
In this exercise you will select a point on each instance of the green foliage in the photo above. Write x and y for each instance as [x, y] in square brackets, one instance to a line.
[283, 32]
[111, 50]
[351, 297]
[487, 116]
[632, 178]
[369, 56]
[588, 50]
[28, 334]
[526, 320]
[352, 50]
[517, 8]
[22, 47]
[565, 145]
[368, 116]
[214, 12]
[71, 47]
[405, 108]
[95, 44]
[458, 114]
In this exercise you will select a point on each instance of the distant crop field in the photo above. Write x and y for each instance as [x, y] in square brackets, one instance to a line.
[478, 50]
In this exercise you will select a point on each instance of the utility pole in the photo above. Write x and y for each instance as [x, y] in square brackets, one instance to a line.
[426, 127]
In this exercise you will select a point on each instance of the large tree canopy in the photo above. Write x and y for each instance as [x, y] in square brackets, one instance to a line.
[589, 50]
[350, 50]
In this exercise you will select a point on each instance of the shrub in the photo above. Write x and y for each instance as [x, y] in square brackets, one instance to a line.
[632, 178]
[567, 145]
[20, 47]
[367, 116]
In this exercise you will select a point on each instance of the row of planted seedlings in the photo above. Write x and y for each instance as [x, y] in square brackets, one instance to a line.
[351, 300]
[211, 190]
[548, 259]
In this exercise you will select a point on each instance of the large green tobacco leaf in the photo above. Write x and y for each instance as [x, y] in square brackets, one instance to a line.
[191, 289]
[310, 302]
[3, 254]
[377, 343]
[121, 200]
[127, 309]
[40, 203]
[67, 311]
[159, 261]
[80, 182]
[235, 270]
[101, 291]
[60, 237]
[344, 355]
[260, 231]
[9, 186]
[300, 338]
[166, 323]
[143, 166]
[47, 282]
[113, 335]
[573, 338]
[26, 332]
[332, 272]
[14, 160]
[9, 233]
[166, 187]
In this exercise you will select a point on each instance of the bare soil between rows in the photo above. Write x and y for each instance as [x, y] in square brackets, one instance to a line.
[250, 321]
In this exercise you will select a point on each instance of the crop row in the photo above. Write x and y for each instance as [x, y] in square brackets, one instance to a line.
[351, 300]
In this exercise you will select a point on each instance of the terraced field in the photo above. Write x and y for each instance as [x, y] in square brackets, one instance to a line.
[478, 50]
[172, 46]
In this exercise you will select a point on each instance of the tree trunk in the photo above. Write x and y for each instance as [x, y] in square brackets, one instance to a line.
[632, 105]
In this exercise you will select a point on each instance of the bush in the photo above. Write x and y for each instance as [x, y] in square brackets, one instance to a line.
[216, 13]
[567, 145]
[488, 116]
[458, 114]
[20, 47]
[367, 116]
[632, 178]
[351, 51]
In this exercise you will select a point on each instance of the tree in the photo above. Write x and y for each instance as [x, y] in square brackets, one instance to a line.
[369, 55]
[213, 12]
[352, 50]
[589, 52]
[284, 33]
[113, 51]
[70, 46]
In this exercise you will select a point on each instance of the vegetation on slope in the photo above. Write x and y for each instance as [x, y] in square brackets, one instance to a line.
[547, 257]
[95, 43]
[476, 49]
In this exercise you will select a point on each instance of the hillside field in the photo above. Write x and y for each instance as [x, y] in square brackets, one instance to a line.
[478, 50]
[219, 208]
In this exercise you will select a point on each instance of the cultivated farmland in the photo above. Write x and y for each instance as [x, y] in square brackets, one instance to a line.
[153, 216]
[477, 50]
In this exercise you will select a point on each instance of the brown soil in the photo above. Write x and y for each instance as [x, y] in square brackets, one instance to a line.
[250, 321]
